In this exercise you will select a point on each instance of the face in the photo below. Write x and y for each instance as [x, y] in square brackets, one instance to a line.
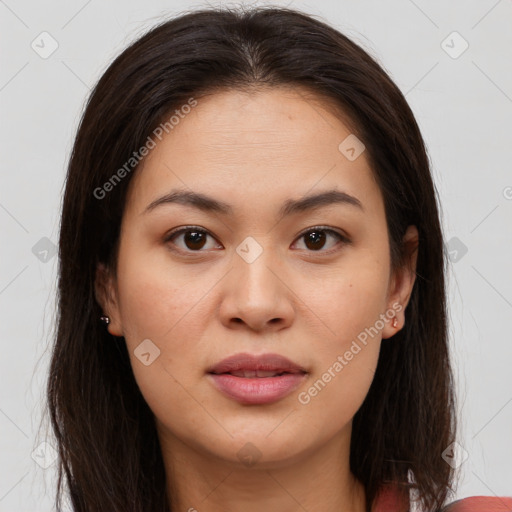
[289, 256]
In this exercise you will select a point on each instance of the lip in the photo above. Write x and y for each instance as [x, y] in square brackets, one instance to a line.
[254, 389]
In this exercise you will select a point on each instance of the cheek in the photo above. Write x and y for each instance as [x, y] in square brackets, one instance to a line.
[350, 305]
[157, 298]
[159, 304]
[329, 401]
[346, 355]
[349, 301]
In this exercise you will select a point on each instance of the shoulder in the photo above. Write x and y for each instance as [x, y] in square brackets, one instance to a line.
[392, 498]
[480, 504]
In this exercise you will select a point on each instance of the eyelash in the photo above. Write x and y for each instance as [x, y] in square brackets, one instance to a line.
[345, 240]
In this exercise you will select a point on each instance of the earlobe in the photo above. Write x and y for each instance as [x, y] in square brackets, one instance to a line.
[105, 293]
[402, 283]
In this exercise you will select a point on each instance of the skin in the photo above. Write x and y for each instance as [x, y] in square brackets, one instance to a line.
[198, 306]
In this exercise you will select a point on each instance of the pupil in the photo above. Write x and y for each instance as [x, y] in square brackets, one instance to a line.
[193, 237]
[317, 238]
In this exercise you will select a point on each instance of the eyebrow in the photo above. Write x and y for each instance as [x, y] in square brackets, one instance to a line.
[291, 206]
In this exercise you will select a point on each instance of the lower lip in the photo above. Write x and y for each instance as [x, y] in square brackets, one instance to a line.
[257, 390]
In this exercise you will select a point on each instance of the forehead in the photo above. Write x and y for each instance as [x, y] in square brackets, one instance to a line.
[233, 144]
[266, 123]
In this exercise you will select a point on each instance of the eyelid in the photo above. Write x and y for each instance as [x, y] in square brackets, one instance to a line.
[173, 232]
[328, 229]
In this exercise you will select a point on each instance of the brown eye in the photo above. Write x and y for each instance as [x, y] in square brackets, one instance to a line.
[315, 238]
[192, 239]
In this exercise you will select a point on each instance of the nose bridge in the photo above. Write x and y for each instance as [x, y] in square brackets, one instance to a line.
[253, 263]
[256, 294]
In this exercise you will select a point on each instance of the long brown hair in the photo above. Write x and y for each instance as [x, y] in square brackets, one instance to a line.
[109, 454]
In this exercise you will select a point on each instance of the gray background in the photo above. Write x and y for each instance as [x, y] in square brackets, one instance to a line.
[463, 104]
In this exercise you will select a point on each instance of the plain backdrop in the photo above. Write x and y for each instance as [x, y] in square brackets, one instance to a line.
[452, 60]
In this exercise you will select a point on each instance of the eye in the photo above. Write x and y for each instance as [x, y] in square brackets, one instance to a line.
[194, 238]
[315, 238]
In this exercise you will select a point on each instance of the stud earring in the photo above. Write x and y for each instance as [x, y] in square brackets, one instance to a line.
[105, 319]
[394, 323]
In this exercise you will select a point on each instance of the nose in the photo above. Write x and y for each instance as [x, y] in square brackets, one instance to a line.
[256, 295]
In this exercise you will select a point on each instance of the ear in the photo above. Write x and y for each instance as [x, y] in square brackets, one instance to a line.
[402, 283]
[106, 296]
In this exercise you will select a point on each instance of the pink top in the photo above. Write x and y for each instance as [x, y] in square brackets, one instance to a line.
[391, 499]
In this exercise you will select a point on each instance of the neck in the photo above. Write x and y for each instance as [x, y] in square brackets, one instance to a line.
[317, 481]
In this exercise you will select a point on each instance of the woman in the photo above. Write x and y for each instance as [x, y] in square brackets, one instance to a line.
[252, 307]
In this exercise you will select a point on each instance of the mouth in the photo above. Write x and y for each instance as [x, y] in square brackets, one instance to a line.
[263, 365]
[256, 380]
[260, 374]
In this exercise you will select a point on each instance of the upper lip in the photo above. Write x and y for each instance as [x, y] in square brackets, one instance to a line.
[249, 362]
